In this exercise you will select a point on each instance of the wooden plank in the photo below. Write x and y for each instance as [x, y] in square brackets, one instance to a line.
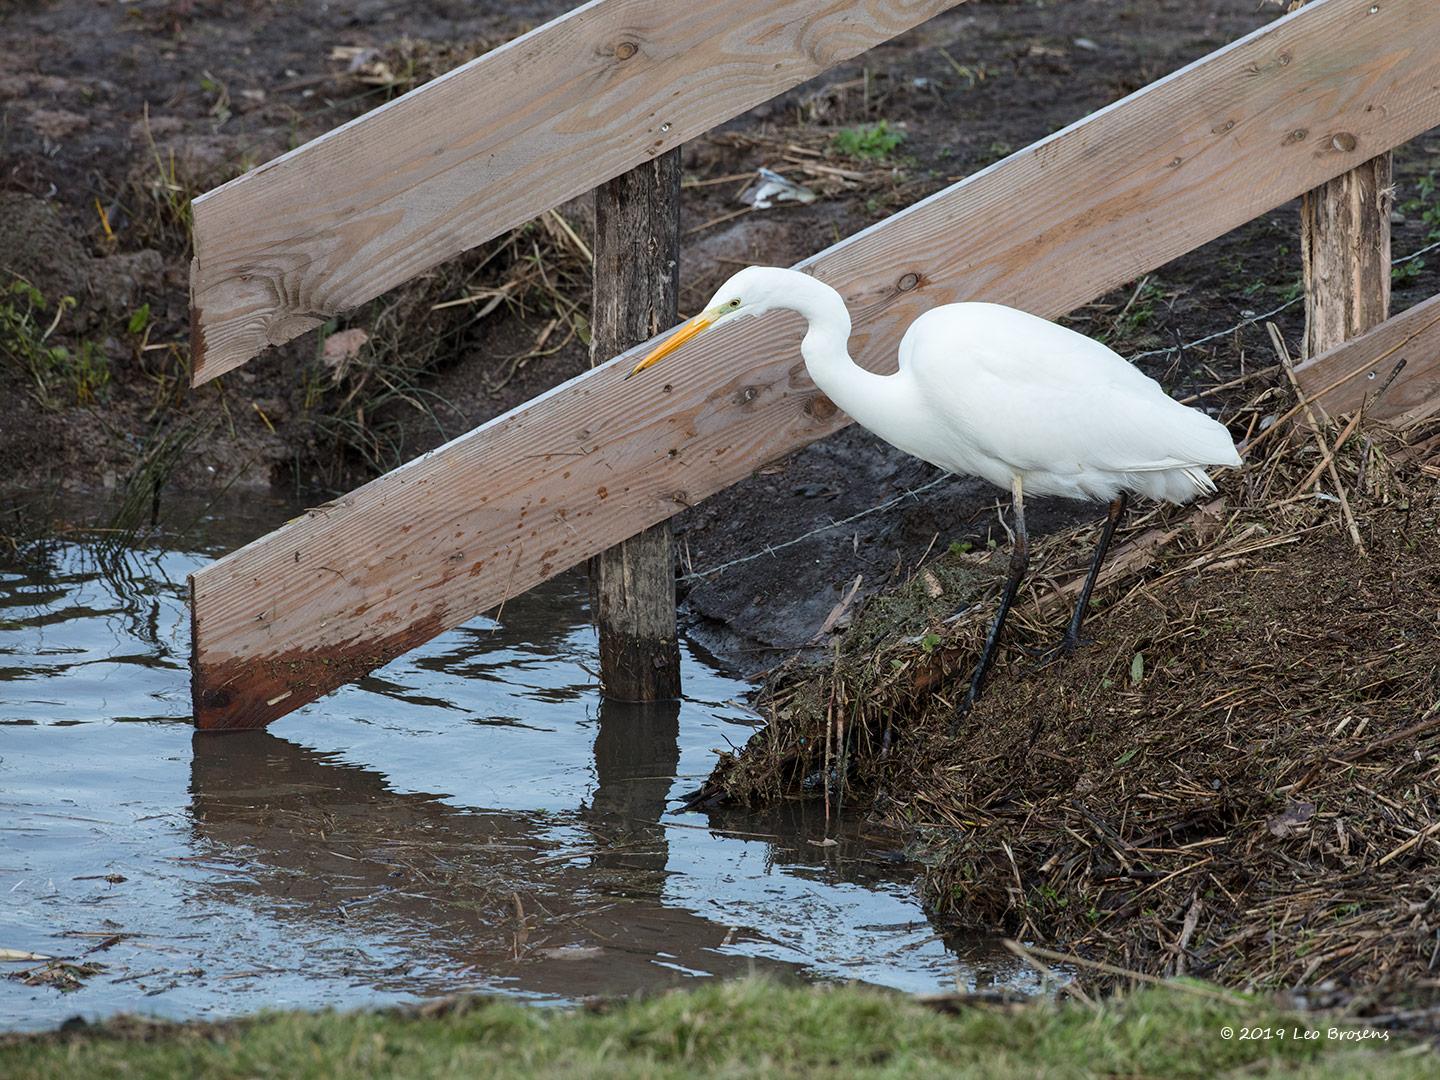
[546, 486]
[637, 292]
[492, 144]
[1356, 372]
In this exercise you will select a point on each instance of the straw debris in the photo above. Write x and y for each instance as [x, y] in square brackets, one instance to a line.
[1239, 779]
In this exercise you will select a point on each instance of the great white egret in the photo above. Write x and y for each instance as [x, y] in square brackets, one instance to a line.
[990, 391]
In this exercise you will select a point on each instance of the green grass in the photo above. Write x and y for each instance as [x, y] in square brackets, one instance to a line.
[1425, 205]
[54, 373]
[745, 1028]
[868, 142]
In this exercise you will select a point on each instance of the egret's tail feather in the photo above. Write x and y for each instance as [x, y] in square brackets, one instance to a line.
[1201, 479]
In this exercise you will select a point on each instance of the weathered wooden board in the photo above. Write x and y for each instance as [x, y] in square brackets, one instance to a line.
[492, 144]
[452, 534]
[1356, 372]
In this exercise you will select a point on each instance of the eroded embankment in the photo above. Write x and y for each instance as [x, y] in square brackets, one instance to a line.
[1239, 778]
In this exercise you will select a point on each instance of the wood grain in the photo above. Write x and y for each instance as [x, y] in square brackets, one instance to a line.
[492, 144]
[1363, 370]
[636, 295]
[1345, 251]
[453, 533]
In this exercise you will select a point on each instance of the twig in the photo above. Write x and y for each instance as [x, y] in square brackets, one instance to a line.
[1139, 976]
[1258, 374]
[580, 246]
[1325, 452]
[1069, 987]
[1419, 837]
[717, 220]
[1330, 454]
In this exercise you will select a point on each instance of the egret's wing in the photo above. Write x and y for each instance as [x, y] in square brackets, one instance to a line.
[1016, 346]
[1043, 398]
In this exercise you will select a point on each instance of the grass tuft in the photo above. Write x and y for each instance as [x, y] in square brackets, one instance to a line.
[57, 374]
[868, 142]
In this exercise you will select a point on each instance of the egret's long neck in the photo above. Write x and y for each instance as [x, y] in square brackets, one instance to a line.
[874, 401]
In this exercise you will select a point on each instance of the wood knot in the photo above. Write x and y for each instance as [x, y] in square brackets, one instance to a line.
[821, 407]
[746, 395]
[625, 50]
[908, 282]
[1344, 142]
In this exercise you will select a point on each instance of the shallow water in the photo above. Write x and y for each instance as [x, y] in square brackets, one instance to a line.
[471, 817]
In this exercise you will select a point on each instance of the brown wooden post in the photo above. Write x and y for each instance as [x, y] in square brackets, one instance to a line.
[637, 284]
[1345, 244]
[1345, 248]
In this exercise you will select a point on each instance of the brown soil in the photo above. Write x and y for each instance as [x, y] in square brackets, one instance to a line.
[115, 114]
[1238, 779]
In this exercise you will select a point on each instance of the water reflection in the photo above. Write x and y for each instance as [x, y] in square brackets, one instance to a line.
[637, 754]
[508, 901]
[471, 816]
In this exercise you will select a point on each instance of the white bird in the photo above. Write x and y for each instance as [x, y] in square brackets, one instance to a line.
[990, 391]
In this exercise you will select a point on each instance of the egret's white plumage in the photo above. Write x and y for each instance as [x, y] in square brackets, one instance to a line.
[989, 391]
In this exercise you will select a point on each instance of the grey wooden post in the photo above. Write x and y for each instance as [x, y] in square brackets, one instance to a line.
[637, 282]
[1345, 243]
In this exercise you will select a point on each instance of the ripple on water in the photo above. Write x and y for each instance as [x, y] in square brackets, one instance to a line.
[472, 816]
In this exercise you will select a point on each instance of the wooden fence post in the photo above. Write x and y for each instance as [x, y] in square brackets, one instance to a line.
[637, 283]
[1345, 244]
[1345, 248]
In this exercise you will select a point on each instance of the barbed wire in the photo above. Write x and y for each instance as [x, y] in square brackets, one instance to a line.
[1251, 320]
[911, 493]
[771, 549]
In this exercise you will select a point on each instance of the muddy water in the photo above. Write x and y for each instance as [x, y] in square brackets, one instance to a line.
[473, 816]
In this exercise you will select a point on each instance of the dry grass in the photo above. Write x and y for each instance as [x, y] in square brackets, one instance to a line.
[1240, 779]
[538, 275]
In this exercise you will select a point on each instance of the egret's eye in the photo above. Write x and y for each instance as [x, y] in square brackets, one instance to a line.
[733, 304]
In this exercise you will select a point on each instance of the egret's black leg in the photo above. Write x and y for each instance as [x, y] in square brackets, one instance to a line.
[1071, 641]
[1019, 560]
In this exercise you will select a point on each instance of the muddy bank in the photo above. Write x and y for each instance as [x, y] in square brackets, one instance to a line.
[116, 116]
[1237, 779]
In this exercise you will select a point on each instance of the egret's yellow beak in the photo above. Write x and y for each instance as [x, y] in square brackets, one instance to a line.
[700, 322]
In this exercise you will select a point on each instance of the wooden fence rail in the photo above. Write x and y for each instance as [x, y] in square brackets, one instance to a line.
[491, 145]
[452, 534]
[1392, 371]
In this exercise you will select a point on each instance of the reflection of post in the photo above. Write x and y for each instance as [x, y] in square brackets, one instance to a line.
[439, 882]
[637, 752]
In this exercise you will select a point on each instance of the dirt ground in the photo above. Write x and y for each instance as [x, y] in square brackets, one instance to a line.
[115, 114]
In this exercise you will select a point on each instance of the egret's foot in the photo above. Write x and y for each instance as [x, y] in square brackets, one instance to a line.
[1063, 649]
[962, 710]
